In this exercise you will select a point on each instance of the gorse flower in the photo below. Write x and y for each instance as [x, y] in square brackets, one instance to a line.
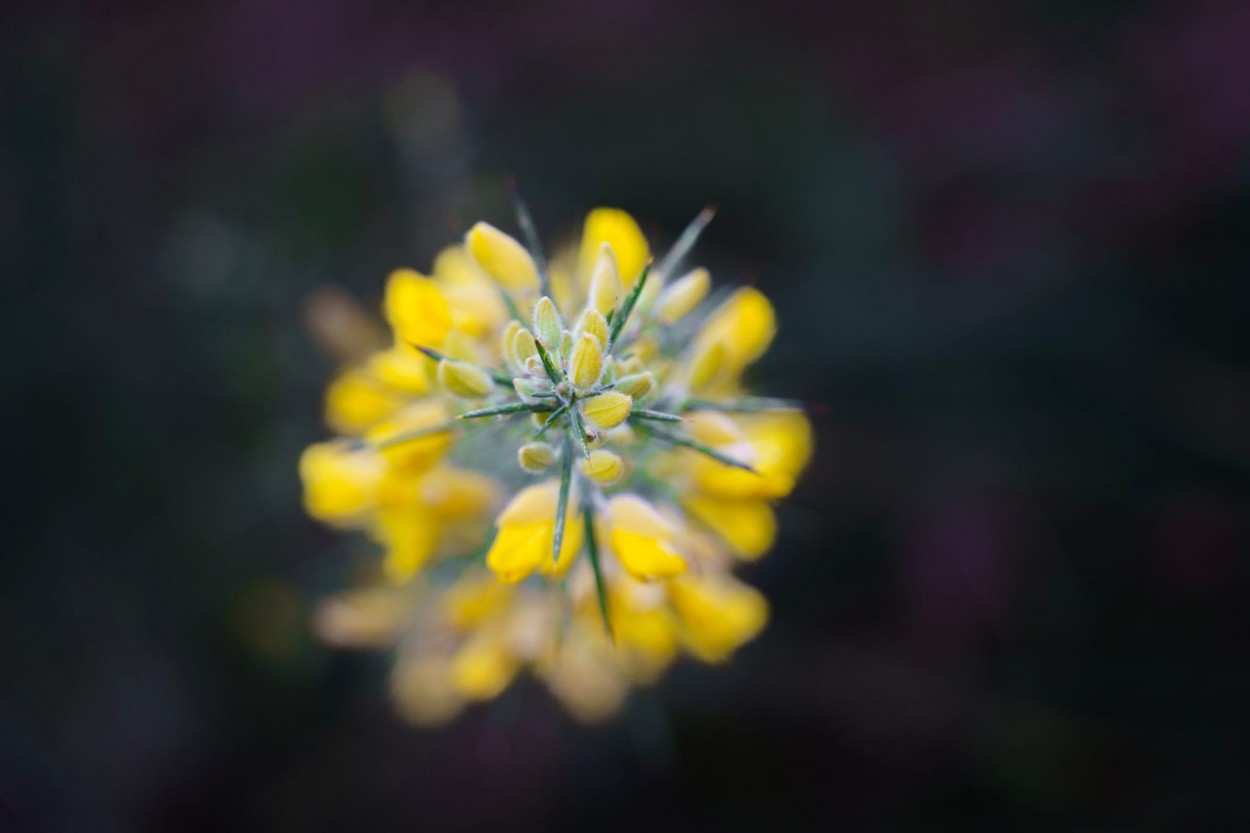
[561, 466]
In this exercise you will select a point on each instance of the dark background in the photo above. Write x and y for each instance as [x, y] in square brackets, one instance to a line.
[1008, 244]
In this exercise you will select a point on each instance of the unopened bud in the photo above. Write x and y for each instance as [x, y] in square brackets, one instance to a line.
[677, 300]
[506, 346]
[593, 322]
[706, 364]
[502, 257]
[534, 457]
[585, 363]
[637, 385]
[463, 380]
[605, 281]
[607, 410]
[523, 346]
[528, 389]
[547, 323]
[603, 467]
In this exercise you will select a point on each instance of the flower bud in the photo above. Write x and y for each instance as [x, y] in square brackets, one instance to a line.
[603, 467]
[463, 379]
[416, 308]
[547, 323]
[534, 367]
[586, 363]
[523, 346]
[677, 300]
[605, 281]
[528, 389]
[502, 257]
[506, 346]
[566, 347]
[637, 385]
[607, 410]
[593, 322]
[706, 364]
[534, 457]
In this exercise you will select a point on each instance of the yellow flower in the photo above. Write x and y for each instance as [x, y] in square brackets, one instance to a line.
[415, 438]
[777, 446]
[620, 231]
[737, 333]
[356, 400]
[644, 394]
[525, 542]
[340, 485]
[642, 539]
[717, 615]
[503, 258]
[416, 308]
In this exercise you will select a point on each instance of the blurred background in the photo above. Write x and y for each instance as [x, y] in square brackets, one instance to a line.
[1008, 243]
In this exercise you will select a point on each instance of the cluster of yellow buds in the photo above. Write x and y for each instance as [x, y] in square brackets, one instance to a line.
[593, 408]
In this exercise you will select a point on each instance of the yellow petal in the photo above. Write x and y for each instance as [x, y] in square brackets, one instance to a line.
[646, 558]
[621, 232]
[473, 599]
[632, 513]
[682, 296]
[457, 493]
[748, 527]
[503, 258]
[744, 325]
[355, 401]
[607, 410]
[482, 668]
[409, 535]
[519, 549]
[402, 368]
[340, 486]
[778, 446]
[717, 615]
[533, 504]
[476, 306]
[416, 308]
